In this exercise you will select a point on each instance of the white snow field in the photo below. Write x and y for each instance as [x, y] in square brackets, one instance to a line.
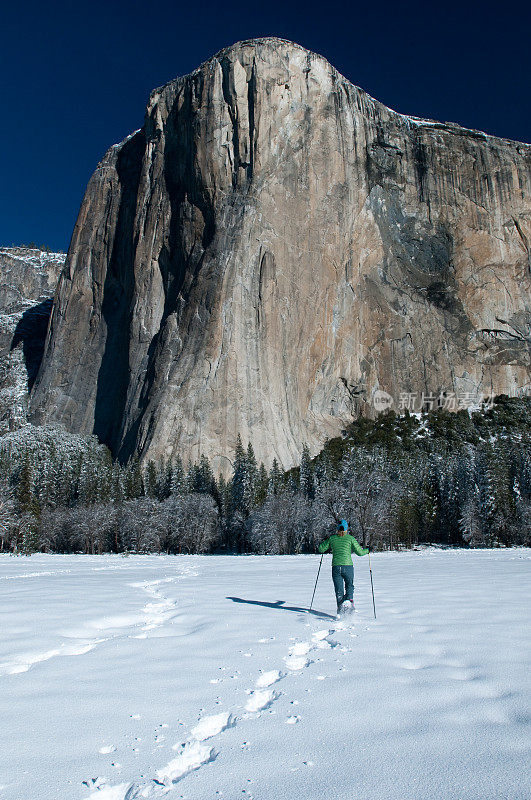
[202, 677]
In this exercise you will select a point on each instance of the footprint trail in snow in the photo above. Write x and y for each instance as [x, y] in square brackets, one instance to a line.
[198, 750]
[155, 613]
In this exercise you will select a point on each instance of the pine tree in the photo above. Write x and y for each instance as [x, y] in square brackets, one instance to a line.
[238, 477]
[469, 522]
[324, 473]
[486, 499]
[151, 480]
[275, 479]
[117, 484]
[88, 482]
[306, 480]
[133, 483]
[104, 477]
[47, 478]
[407, 518]
[524, 473]
[165, 479]
[5, 464]
[28, 508]
[449, 496]
[292, 484]
[222, 491]
[25, 497]
[191, 477]
[262, 485]
[70, 479]
[224, 505]
[61, 485]
[502, 481]
[178, 482]
[29, 533]
[204, 477]
[469, 518]
[250, 486]
[430, 502]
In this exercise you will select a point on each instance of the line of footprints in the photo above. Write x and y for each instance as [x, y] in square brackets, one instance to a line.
[199, 750]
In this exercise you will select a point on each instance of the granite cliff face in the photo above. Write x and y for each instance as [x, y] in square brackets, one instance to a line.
[28, 278]
[274, 246]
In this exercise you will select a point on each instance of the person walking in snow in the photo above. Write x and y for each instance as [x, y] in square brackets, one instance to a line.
[342, 545]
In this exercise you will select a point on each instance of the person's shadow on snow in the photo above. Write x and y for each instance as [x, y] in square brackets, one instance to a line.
[281, 607]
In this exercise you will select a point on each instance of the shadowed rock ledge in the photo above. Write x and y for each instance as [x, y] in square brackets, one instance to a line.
[28, 278]
[271, 248]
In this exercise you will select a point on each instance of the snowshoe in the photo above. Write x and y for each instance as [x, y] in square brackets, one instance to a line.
[347, 607]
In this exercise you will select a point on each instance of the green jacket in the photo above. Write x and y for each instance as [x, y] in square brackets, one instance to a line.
[342, 547]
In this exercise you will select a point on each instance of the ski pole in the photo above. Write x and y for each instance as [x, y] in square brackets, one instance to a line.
[315, 587]
[372, 586]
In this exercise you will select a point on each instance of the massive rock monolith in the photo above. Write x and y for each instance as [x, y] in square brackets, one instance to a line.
[274, 246]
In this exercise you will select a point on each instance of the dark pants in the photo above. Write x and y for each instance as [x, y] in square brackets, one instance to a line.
[343, 578]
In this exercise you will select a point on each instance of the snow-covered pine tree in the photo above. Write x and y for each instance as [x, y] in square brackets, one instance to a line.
[430, 501]
[237, 538]
[405, 521]
[71, 476]
[324, 472]
[502, 480]
[221, 493]
[275, 479]
[225, 511]
[88, 481]
[191, 475]
[524, 472]
[406, 518]
[250, 481]
[238, 482]
[60, 484]
[178, 482]
[133, 483]
[117, 483]
[151, 480]
[306, 481]
[486, 497]
[28, 509]
[449, 501]
[7, 517]
[262, 485]
[469, 519]
[6, 468]
[204, 477]
[104, 476]
[165, 479]
[25, 494]
[47, 478]
[466, 492]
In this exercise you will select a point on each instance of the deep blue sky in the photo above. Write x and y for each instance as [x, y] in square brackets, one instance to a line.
[76, 77]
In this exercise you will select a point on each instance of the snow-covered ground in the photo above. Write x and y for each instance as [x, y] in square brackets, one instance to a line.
[202, 678]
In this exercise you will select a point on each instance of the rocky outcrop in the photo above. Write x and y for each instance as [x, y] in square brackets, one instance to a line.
[28, 278]
[271, 249]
